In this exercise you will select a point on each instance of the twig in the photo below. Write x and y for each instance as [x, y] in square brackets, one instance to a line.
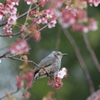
[22, 60]
[4, 47]
[26, 20]
[27, 11]
[58, 39]
[7, 35]
[7, 52]
[56, 94]
[10, 94]
[81, 60]
[94, 58]
[38, 30]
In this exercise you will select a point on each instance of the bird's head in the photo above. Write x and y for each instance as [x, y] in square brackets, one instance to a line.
[58, 54]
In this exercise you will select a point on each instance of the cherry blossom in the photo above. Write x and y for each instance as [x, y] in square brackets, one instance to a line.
[57, 82]
[95, 96]
[93, 2]
[62, 73]
[52, 23]
[19, 48]
[30, 1]
[43, 2]
[16, 2]
[27, 77]
[42, 21]
[49, 13]
[69, 13]
[92, 25]
[37, 36]
[8, 30]
[19, 83]
[12, 19]
[26, 95]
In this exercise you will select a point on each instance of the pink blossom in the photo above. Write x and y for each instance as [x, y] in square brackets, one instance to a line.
[29, 85]
[8, 30]
[67, 18]
[57, 82]
[27, 78]
[49, 13]
[37, 36]
[43, 2]
[93, 2]
[30, 1]
[1, 11]
[13, 10]
[1, 16]
[85, 29]
[94, 96]
[20, 47]
[27, 95]
[16, 2]
[96, 2]
[19, 83]
[43, 20]
[1, 6]
[62, 73]
[12, 19]
[52, 23]
[8, 7]
[93, 24]
[58, 3]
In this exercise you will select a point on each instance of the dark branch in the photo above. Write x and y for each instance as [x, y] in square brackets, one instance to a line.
[38, 30]
[21, 60]
[4, 54]
[94, 58]
[7, 35]
[58, 39]
[81, 60]
[27, 12]
[10, 94]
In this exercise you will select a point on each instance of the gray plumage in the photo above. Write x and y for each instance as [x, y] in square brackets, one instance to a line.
[50, 66]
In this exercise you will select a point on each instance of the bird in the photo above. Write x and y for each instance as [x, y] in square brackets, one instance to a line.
[49, 66]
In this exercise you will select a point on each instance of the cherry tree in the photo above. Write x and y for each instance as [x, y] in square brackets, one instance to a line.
[45, 14]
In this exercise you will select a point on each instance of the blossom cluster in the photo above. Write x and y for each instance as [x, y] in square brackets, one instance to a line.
[57, 82]
[95, 96]
[93, 2]
[68, 13]
[75, 15]
[20, 47]
[25, 81]
[9, 11]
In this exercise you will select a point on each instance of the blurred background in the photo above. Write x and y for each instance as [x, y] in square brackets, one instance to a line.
[75, 85]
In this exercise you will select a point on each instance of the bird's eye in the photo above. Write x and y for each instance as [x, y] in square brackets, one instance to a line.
[58, 54]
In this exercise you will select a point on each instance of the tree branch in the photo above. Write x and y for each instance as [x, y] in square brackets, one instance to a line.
[94, 58]
[10, 94]
[7, 52]
[38, 30]
[58, 39]
[21, 60]
[81, 60]
[28, 11]
[7, 35]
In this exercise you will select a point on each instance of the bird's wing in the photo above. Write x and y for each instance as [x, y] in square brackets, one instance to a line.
[45, 63]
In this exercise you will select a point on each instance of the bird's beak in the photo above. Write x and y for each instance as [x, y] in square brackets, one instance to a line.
[65, 54]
